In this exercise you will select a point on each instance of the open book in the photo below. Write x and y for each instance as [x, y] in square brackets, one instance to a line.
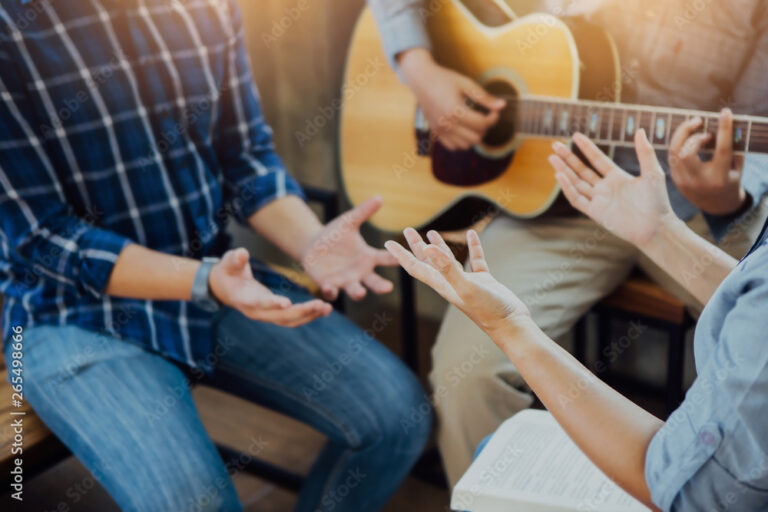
[531, 465]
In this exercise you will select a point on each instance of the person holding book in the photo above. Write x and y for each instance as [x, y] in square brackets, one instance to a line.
[712, 452]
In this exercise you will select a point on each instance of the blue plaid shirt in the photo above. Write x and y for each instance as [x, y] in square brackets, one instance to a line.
[131, 121]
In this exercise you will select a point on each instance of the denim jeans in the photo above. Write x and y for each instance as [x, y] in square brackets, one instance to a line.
[127, 413]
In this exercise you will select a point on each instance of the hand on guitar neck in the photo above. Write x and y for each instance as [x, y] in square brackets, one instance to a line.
[442, 94]
[637, 209]
[713, 187]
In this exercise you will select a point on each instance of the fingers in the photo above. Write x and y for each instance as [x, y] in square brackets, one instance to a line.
[575, 163]
[575, 181]
[599, 160]
[382, 258]
[377, 284]
[480, 96]
[646, 155]
[457, 137]
[476, 255]
[361, 213]
[415, 268]
[256, 296]
[296, 315]
[329, 292]
[355, 290]
[415, 242]
[445, 264]
[683, 150]
[434, 237]
[567, 179]
[693, 145]
[477, 122]
[683, 132]
[235, 261]
[724, 141]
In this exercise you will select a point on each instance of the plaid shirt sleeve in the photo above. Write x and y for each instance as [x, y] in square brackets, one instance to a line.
[253, 172]
[35, 219]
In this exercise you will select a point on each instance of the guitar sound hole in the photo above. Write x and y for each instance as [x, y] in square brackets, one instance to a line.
[504, 130]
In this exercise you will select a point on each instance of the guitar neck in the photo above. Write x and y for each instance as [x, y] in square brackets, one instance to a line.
[615, 124]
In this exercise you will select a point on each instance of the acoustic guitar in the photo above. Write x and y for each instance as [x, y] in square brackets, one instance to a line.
[558, 77]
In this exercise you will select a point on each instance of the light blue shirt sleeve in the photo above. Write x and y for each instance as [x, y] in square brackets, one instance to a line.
[712, 453]
[401, 25]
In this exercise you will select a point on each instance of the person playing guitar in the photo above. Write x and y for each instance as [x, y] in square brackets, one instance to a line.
[695, 55]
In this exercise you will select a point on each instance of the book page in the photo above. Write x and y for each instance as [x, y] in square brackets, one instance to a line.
[532, 460]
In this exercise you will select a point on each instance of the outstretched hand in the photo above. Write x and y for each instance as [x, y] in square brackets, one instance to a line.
[232, 282]
[338, 258]
[484, 300]
[632, 208]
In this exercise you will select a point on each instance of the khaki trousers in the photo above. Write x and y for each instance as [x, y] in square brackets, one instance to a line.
[560, 267]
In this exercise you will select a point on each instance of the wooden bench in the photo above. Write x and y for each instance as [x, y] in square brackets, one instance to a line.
[41, 448]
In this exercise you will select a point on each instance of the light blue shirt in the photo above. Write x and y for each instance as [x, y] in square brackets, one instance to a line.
[712, 454]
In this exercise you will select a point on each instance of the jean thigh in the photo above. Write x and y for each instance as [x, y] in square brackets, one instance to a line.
[128, 415]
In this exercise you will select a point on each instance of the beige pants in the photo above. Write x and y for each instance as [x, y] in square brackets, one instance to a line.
[560, 267]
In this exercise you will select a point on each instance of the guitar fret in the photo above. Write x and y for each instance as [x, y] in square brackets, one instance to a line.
[610, 124]
[609, 134]
[712, 125]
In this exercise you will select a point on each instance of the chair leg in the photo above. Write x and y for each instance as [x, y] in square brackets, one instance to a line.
[409, 326]
[580, 340]
[675, 367]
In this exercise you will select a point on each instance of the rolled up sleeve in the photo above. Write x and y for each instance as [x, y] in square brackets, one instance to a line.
[712, 453]
[401, 25]
[254, 173]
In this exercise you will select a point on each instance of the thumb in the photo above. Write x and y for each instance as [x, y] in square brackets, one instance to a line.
[361, 213]
[646, 155]
[235, 261]
[480, 96]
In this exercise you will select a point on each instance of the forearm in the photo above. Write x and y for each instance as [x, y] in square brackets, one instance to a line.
[612, 431]
[288, 223]
[696, 264]
[412, 63]
[142, 273]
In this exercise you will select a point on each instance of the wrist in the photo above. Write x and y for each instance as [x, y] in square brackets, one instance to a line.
[739, 203]
[670, 228]
[202, 293]
[517, 335]
[413, 63]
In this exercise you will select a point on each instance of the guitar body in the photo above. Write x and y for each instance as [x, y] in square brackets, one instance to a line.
[422, 184]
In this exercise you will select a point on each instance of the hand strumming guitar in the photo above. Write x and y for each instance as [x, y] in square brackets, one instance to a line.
[713, 187]
[442, 95]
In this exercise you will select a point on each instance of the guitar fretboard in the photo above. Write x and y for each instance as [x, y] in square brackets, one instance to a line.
[616, 124]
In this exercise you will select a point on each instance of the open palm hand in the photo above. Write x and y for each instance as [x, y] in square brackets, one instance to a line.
[477, 293]
[630, 207]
